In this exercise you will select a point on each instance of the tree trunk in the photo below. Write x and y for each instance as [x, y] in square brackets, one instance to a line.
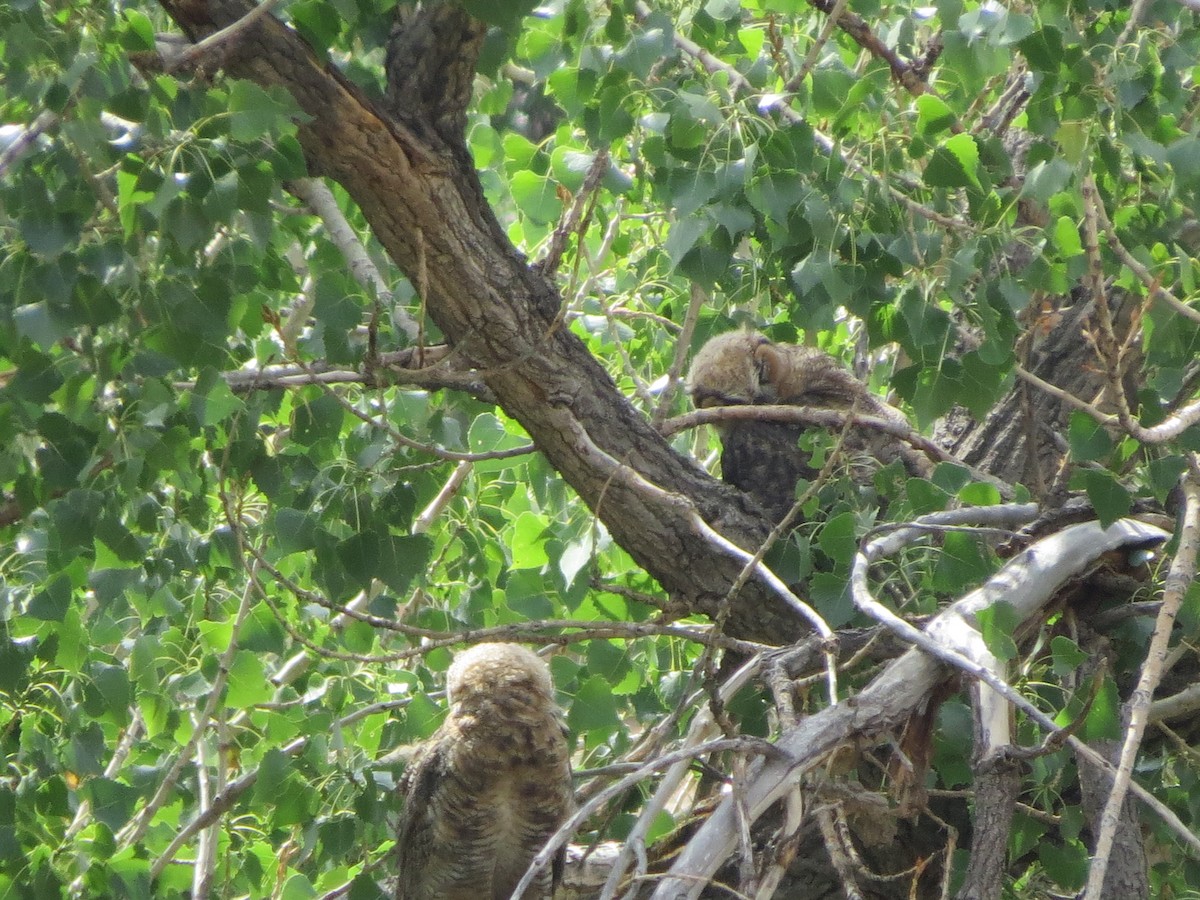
[412, 177]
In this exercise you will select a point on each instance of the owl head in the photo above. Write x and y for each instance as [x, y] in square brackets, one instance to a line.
[484, 669]
[729, 370]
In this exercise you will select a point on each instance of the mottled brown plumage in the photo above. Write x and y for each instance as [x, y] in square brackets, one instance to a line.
[764, 459]
[487, 790]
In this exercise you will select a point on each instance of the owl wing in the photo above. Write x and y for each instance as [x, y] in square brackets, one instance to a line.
[764, 460]
[430, 859]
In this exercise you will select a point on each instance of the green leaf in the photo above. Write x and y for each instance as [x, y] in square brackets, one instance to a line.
[933, 115]
[489, 435]
[255, 113]
[295, 531]
[499, 12]
[1066, 863]
[1043, 49]
[593, 708]
[1067, 239]
[395, 560]
[529, 535]
[110, 694]
[1184, 157]
[318, 419]
[52, 601]
[1109, 497]
[1089, 439]
[960, 565]
[15, 657]
[1066, 655]
[536, 196]
[1104, 718]
[139, 31]
[838, 539]
[248, 685]
[112, 802]
[211, 400]
[955, 164]
[998, 623]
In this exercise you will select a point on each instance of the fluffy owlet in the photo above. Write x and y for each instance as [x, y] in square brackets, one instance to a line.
[764, 458]
[487, 790]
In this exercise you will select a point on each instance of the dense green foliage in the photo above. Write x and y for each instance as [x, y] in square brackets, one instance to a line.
[173, 539]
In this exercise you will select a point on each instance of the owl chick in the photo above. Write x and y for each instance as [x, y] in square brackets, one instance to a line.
[486, 791]
[763, 458]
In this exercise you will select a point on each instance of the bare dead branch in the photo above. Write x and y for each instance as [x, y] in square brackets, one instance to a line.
[1030, 580]
[1182, 571]
[319, 198]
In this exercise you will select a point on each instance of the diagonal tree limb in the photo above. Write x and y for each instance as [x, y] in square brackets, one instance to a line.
[1028, 582]
[427, 208]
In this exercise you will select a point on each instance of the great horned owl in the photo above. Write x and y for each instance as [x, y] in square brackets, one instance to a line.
[487, 790]
[764, 459]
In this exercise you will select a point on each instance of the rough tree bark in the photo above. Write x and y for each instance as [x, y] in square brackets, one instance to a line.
[408, 169]
[411, 175]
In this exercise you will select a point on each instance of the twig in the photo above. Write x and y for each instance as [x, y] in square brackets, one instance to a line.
[1182, 571]
[439, 503]
[682, 344]
[570, 222]
[546, 855]
[136, 829]
[827, 145]
[199, 49]
[206, 844]
[26, 140]
[810, 59]
[1065, 396]
[1037, 573]
[1153, 285]
[703, 728]
[830, 418]
[904, 73]
[319, 198]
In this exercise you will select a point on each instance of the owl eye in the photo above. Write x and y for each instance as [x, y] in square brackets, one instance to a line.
[707, 399]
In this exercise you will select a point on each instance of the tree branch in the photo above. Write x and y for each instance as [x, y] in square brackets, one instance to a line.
[426, 206]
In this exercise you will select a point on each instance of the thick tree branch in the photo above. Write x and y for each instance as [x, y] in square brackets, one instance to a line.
[427, 208]
[1028, 583]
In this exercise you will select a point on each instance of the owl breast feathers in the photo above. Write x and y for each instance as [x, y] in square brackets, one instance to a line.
[764, 458]
[486, 791]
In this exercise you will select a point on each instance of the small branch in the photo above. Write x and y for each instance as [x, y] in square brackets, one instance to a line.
[826, 144]
[1065, 396]
[682, 344]
[1184, 704]
[1152, 284]
[1182, 571]
[319, 198]
[130, 736]
[136, 829]
[806, 415]
[206, 844]
[214, 40]
[703, 728]
[832, 17]
[546, 855]
[906, 74]
[829, 418]
[26, 140]
[569, 224]
[400, 366]
[1031, 579]
[439, 503]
